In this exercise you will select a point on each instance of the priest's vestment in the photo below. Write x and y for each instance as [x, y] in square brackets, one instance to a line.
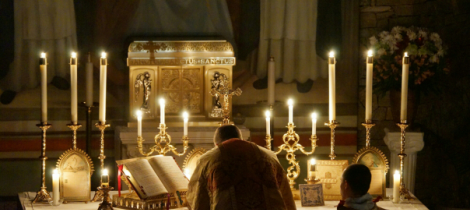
[239, 175]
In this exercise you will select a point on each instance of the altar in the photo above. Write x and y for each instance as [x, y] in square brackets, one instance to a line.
[26, 197]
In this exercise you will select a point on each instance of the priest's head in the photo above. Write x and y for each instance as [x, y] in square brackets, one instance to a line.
[226, 132]
[355, 181]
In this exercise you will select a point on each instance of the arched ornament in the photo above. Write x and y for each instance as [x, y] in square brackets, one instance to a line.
[378, 165]
[190, 161]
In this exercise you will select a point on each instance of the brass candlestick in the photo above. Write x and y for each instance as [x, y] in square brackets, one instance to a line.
[43, 195]
[404, 193]
[99, 194]
[368, 125]
[332, 124]
[107, 203]
[291, 145]
[74, 128]
[268, 140]
[162, 138]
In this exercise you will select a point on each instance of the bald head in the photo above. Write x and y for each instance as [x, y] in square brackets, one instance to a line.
[226, 132]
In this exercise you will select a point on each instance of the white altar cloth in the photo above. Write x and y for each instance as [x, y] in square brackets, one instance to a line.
[27, 197]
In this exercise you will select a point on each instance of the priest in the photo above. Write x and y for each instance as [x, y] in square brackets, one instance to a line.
[238, 174]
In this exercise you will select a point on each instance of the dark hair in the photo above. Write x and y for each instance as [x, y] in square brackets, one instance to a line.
[226, 132]
[358, 177]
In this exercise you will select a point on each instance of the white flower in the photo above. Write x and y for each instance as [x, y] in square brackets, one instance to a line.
[433, 59]
[398, 37]
[440, 52]
[434, 37]
[381, 51]
[373, 40]
[397, 29]
[411, 34]
[383, 34]
[423, 34]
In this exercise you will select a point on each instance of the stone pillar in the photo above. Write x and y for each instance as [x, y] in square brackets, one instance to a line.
[413, 144]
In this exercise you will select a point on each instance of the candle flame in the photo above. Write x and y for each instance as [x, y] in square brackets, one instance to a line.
[267, 113]
[332, 54]
[290, 102]
[369, 53]
[55, 171]
[314, 115]
[161, 101]
[185, 115]
[139, 114]
[406, 54]
[313, 161]
[74, 55]
[43, 55]
[103, 55]
[105, 172]
[397, 172]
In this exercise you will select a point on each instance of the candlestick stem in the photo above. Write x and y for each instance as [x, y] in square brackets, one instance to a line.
[368, 126]
[332, 124]
[268, 140]
[43, 195]
[404, 193]
[74, 128]
[99, 195]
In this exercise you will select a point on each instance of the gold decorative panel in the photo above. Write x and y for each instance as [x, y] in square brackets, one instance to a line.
[182, 88]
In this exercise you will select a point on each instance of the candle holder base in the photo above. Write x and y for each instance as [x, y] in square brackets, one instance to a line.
[42, 196]
[405, 194]
[312, 180]
[98, 196]
[106, 204]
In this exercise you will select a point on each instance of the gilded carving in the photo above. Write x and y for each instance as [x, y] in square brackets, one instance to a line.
[182, 87]
[153, 46]
[143, 80]
[183, 61]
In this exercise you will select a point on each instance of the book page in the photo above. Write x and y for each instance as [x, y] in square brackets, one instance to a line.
[144, 174]
[169, 172]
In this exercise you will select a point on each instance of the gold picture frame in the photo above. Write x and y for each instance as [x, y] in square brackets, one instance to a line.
[377, 163]
[191, 160]
[330, 172]
[76, 168]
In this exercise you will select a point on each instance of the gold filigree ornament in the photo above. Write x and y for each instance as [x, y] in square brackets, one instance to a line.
[191, 160]
[378, 164]
[73, 164]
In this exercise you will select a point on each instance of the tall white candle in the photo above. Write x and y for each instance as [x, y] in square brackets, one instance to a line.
[89, 82]
[162, 110]
[311, 168]
[271, 80]
[73, 87]
[314, 123]
[369, 76]
[55, 187]
[396, 186]
[43, 70]
[139, 123]
[332, 86]
[268, 122]
[103, 74]
[404, 86]
[186, 119]
[290, 102]
[105, 178]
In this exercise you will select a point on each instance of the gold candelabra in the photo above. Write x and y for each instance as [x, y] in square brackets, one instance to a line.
[107, 203]
[368, 125]
[291, 145]
[332, 124]
[404, 193]
[43, 195]
[162, 143]
[100, 194]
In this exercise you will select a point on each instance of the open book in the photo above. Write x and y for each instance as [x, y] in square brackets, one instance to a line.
[154, 177]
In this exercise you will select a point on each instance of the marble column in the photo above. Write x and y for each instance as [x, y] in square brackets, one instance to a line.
[413, 144]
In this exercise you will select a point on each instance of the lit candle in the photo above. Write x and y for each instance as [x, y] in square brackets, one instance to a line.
[89, 82]
[268, 122]
[43, 70]
[369, 75]
[396, 186]
[105, 178]
[311, 168]
[139, 123]
[103, 70]
[162, 110]
[185, 118]
[55, 187]
[271, 80]
[290, 102]
[73, 87]
[404, 87]
[314, 123]
[332, 86]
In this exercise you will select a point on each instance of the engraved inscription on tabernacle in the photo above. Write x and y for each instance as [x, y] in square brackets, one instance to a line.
[139, 46]
[184, 61]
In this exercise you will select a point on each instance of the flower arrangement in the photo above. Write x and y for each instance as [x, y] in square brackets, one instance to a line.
[426, 52]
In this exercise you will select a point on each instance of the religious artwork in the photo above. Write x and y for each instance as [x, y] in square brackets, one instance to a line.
[75, 168]
[181, 72]
[330, 172]
[311, 194]
[191, 160]
[143, 80]
[377, 163]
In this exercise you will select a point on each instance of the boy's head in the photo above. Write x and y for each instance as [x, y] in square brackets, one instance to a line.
[355, 181]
